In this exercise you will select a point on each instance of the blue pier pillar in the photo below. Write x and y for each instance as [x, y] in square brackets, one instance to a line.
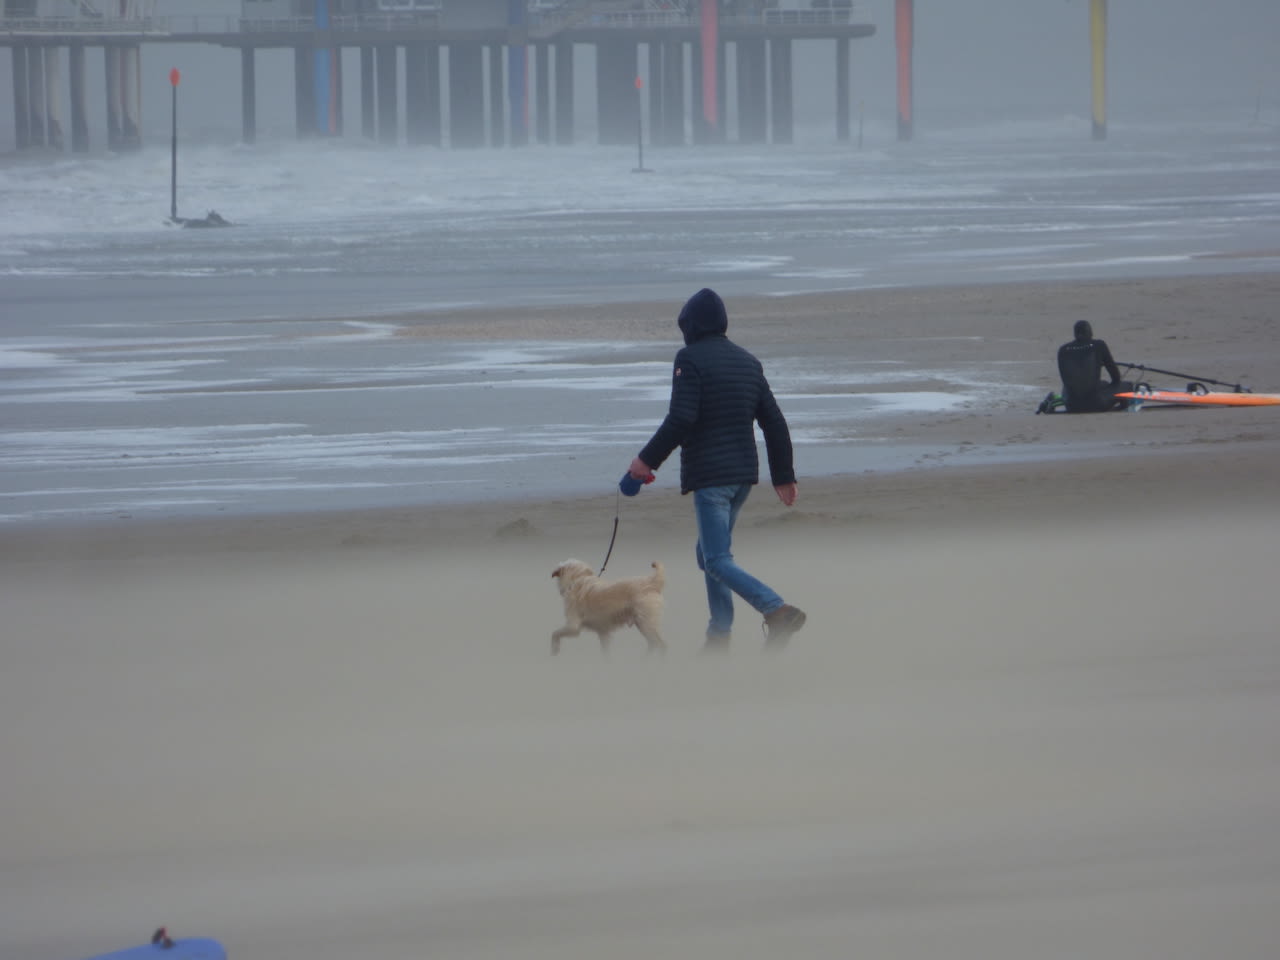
[327, 75]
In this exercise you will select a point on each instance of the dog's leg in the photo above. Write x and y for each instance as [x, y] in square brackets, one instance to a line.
[565, 631]
[652, 634]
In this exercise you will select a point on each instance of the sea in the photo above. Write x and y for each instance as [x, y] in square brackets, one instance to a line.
[153, 371]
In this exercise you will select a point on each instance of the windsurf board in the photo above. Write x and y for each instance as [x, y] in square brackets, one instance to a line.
[1204, 399]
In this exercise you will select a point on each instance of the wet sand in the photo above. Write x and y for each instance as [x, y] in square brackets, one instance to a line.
[1033, 712]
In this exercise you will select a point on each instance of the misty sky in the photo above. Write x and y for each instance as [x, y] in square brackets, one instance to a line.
[975, 60]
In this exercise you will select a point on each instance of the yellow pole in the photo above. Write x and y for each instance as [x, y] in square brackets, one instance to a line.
[1098, 35]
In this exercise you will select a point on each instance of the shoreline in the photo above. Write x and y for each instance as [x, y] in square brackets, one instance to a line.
[920, 501]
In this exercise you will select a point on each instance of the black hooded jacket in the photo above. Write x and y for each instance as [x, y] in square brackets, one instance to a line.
[718, 394]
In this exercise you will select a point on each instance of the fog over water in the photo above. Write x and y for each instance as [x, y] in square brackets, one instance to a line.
[974, 61]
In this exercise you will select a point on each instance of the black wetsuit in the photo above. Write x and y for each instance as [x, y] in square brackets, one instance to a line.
[1080, 364]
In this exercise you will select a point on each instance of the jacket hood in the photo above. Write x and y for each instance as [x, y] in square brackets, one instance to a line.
[703, 315]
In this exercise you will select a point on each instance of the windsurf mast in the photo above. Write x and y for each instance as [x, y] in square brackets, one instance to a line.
[1239, 388]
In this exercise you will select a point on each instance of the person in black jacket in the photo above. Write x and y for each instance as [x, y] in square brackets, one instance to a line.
[718, 394]
[1080, 364]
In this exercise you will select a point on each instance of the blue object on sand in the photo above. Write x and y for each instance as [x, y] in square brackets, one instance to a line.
[187, 948]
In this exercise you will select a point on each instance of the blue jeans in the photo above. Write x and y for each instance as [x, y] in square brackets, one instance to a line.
[716, 510]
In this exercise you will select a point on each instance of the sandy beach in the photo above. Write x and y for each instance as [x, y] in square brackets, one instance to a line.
[1032, 714]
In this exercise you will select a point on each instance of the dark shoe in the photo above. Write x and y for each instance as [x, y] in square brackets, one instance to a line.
[781, 624]
[716, 643]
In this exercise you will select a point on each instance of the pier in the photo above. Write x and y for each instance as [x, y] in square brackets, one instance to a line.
[476, 73]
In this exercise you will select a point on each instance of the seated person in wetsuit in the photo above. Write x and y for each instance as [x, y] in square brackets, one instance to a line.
[1080, 364]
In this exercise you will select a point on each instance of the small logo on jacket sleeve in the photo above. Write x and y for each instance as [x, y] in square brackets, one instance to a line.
[677, 371]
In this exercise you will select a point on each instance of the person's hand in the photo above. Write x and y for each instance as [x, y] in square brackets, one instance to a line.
[640, 470]
[787, 493]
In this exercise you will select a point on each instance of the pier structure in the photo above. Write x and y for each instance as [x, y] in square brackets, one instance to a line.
[475, 72]
[37, 45]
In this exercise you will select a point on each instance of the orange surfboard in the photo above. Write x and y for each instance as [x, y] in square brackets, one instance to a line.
[1204, 399]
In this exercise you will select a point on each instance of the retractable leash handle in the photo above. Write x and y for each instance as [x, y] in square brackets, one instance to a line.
[630, 486]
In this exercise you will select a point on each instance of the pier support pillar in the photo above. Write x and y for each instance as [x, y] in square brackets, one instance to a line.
[673, 94]
[466, 95]
[616, 102]
[842, 89]
[434, 97]
[422, 94]
[780, 91]
[497, 98]
[131, 99]
[415, 94]
[35, 96]
[368, 95]
[704, 130]
[564, 93]
[53, 129]
[21, 99]
[518, 94]
[542, 93]
[753, 114]
[304, 92]
[115, 109]
[657, 127]
[248, 96]
[327, 83]
[388, 107]
[79, 105]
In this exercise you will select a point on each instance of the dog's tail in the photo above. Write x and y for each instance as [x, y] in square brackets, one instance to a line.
[659, 575]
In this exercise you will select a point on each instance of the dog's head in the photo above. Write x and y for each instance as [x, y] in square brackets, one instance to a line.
[570, 572]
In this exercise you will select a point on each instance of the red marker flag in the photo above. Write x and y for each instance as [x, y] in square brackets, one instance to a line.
[174, 76]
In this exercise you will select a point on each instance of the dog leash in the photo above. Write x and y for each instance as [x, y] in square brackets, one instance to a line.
[630, 486]
[617, 511]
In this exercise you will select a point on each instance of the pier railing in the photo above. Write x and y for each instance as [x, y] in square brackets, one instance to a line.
[56, 26]
[539, 23]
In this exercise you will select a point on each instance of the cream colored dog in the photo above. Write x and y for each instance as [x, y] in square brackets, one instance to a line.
[602, 607]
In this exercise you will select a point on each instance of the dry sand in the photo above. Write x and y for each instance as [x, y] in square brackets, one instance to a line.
[1033, 713]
